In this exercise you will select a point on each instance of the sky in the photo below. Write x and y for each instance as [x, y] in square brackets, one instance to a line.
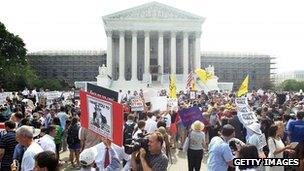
[272, 27]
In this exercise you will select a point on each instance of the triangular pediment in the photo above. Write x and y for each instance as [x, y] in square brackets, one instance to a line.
[153, 10]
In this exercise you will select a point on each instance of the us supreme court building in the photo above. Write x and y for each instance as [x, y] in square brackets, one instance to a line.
[152, 40]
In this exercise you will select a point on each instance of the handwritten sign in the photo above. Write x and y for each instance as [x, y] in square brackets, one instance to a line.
[244, 113]
[137, 104]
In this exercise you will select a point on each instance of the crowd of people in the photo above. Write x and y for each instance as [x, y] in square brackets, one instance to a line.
[36, 132]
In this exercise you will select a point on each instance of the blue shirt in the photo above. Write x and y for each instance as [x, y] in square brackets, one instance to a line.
[296, 130]
[219, 154]
[63, 117]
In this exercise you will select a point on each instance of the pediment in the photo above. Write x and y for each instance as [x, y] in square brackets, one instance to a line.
[153, 10]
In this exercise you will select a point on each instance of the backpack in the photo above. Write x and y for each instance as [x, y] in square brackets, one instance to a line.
[128, 133]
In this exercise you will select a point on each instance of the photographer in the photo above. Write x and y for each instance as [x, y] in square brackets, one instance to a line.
[152, 158]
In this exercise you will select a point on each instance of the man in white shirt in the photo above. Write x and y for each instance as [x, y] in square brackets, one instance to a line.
[24, 135]
[47, 142]
[151, 124]
[101, 155]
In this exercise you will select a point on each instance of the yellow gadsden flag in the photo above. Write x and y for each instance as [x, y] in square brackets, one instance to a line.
[203, 75]
[244, 87]
[172, 87]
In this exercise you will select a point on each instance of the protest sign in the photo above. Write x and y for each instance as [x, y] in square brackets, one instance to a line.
[101, 116]
[242, 101]
[189, 115]
[3, 97]
[148, 94]
[172, 103]
[137, 104]
[107, 93]
[51, 95]
[244, 113]
[159, 103]
[192, 95]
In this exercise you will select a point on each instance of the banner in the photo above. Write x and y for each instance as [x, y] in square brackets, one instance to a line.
[52, 95]
[190, 115]
[244, 113]
[137, 104]
[101, 116]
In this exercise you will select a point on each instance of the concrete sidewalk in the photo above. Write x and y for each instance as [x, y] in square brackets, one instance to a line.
[179, 161]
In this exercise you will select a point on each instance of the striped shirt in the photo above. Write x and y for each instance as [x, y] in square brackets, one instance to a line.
[8, 143]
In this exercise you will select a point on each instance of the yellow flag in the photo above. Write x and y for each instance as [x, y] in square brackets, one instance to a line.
[244, 87]
[172, 87]
[193, 87]
[203, 75]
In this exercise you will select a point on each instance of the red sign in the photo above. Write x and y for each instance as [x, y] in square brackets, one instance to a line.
[102, 116]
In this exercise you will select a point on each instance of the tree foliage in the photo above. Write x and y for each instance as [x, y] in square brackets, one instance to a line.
[15, 72]
[292, 85]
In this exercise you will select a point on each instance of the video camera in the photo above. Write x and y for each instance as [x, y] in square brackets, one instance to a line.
[141, 142]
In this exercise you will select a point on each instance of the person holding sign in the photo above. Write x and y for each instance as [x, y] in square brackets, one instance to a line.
[106, 151]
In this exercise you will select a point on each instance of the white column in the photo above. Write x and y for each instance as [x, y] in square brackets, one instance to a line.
[109, 52]
[185, 54]
[197, 56]
[161, 52]
[121, 56]
[173, 52]
[147, 52]
[134, 56]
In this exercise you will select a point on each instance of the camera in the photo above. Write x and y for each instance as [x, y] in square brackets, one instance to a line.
[141, 142]
[233, 145]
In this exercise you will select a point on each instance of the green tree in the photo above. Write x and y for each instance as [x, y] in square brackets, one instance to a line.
[15, 72]
[292, 85]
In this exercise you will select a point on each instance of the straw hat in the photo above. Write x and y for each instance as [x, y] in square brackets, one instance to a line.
[197, 126]
[255, 127]
[162, 130]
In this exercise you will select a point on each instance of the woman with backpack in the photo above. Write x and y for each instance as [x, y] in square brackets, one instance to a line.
[73, 141]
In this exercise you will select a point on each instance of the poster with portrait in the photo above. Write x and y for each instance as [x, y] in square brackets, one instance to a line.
[101, 116]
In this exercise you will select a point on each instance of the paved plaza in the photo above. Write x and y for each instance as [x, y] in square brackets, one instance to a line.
[179, 162]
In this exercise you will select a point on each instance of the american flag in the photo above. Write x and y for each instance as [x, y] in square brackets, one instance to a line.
[190, 81]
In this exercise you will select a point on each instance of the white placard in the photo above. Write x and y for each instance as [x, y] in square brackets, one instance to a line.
[192, 95]
[137, 104]
[148, 94]
[51, 95]
[159, 103]
[3, 97]
[172, 103]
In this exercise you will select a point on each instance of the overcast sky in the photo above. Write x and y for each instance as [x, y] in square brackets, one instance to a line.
[274, 27]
